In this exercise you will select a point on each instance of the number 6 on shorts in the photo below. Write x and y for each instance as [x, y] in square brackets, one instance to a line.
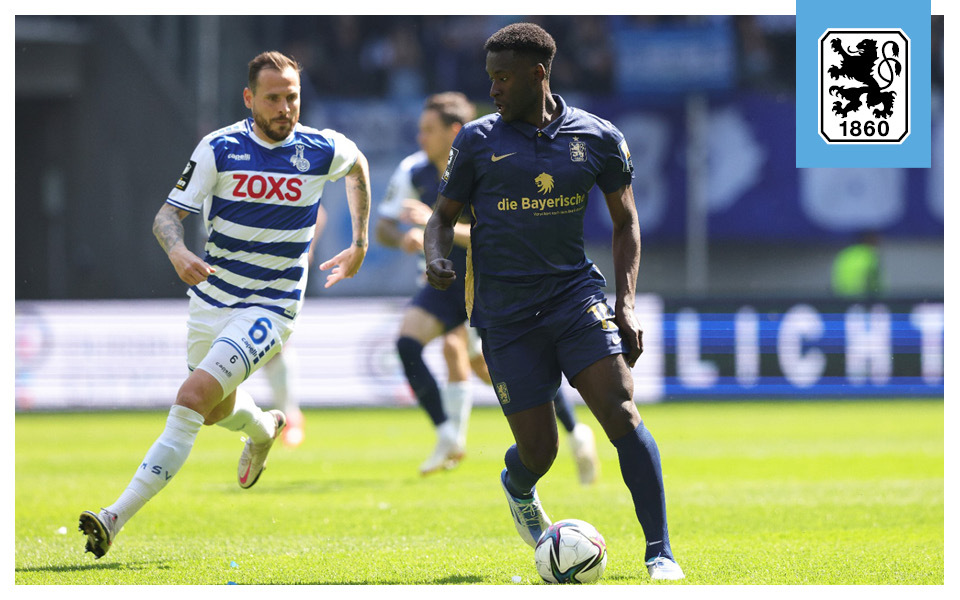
[244, 345]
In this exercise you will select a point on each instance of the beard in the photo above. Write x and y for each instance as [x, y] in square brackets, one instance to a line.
[275, 133]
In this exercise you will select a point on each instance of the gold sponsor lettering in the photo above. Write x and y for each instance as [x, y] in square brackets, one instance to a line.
[543, 204]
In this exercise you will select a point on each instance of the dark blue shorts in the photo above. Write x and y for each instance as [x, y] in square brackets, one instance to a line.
[526, 358]
[448, 306]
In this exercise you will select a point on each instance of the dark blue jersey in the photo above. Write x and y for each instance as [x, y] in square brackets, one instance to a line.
[526, 192]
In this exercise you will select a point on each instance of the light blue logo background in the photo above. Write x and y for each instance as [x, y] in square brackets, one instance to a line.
[814, 17]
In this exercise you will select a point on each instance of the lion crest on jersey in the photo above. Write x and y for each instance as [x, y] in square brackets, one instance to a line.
[544, 183]
[578, 150]
[298, 160]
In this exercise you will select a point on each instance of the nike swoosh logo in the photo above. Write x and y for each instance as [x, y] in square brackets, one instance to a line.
[245, 475]
[495, 158]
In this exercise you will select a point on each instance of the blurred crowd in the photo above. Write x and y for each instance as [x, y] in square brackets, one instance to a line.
[401, 57]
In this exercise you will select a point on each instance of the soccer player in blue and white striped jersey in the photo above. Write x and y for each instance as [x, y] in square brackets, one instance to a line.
[258, 185]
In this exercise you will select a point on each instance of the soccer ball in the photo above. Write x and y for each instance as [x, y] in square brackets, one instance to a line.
[571, 551]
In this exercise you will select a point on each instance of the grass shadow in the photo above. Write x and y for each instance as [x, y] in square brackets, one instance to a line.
[448, 580]
[474, 579]
[117, 566]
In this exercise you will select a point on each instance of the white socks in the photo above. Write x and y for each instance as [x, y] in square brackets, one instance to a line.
[457, 402]
[248, 418]
[171, 449]
[161, 463]
[279, 371]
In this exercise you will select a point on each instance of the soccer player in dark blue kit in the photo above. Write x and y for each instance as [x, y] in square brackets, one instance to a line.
[523, 175]
[432, 313]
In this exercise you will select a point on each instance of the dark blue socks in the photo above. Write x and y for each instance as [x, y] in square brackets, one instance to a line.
[520, 480]
[640, 466]
[420, 378]
[564, 410]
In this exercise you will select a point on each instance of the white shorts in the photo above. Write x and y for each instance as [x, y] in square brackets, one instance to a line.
[231, 344]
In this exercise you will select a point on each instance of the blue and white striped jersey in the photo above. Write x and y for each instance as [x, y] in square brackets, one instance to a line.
[260, 204]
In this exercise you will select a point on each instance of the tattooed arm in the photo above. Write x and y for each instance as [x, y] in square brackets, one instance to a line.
[168, 229]
[346, 264]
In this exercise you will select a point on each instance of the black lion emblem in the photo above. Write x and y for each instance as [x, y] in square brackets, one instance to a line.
[859, 67]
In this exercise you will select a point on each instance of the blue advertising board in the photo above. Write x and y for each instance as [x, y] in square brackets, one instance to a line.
[770, 349]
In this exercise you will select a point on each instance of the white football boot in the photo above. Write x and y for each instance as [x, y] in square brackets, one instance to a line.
[528, 515]
[448, 452]
[253, 459]
[584, 448]
[661, 567]
[100, 529]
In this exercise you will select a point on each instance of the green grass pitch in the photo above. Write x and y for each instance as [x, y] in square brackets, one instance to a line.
[757, 493]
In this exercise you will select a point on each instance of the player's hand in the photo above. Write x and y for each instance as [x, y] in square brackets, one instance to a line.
[190, 267]
[412, 240]
[630, 331]
[345, 265]
[440, 273]
[415, 212]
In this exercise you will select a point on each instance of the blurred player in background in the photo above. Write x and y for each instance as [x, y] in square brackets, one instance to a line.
[258, 184]
[432, 313]
[524, 175]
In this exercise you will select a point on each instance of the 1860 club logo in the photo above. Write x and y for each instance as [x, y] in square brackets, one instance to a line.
[864, 86]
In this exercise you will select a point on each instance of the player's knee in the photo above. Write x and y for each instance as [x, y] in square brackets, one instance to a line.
[540, 460]
[191, 398]
[617, 414]
[627, 413]
[200, 394]
[621, 419]
[453, 350]
[538, 456]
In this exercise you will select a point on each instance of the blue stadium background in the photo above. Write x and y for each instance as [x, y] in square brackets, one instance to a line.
[108, 108]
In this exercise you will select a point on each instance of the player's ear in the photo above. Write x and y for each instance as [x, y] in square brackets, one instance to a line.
[247, 97]
[541, 72]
